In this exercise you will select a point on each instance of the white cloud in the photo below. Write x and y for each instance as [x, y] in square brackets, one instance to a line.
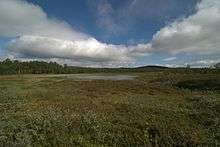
[106, 17]
[199, 33]
[19, 18]
[37, 36]
[170, 59]
[78, 50]
[47, 47]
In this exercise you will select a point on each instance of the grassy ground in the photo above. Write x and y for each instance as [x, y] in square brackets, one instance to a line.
[155, 109]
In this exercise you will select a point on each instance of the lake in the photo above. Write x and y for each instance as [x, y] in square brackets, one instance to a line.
[88, 77]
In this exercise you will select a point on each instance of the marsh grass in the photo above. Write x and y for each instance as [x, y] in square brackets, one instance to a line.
[151, 110]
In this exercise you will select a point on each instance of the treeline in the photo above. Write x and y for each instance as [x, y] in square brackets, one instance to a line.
[9, 67]
[33, 67]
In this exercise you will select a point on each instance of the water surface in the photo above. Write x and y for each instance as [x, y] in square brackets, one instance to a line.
[103, 77]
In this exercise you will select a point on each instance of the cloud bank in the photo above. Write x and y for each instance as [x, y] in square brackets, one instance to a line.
[18, 18]
[199, 33]
[87, 49]
[35, 35]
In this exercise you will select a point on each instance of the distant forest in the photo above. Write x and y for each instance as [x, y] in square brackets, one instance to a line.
[9, 67]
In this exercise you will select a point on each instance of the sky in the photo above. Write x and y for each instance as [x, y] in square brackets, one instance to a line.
[112, 33]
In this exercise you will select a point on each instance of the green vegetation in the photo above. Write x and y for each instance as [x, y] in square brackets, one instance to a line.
[158, 108]
[8, 67]
[217, 65]
[200, 84]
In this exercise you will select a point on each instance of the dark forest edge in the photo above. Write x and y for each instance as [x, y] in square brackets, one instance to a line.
[11, 67]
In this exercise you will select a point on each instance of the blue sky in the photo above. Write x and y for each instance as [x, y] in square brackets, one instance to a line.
[139, 27]
[111, 32]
